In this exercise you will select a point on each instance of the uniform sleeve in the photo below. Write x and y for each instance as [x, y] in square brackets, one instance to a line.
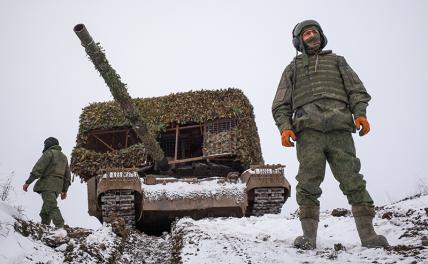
[357, 94]
[40, 167]
[67, 179]
[282, 109]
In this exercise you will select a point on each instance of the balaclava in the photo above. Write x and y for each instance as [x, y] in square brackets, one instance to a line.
[313, 44]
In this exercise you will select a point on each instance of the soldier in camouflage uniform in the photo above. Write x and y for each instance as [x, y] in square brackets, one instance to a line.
[53, 174]
[318, 99]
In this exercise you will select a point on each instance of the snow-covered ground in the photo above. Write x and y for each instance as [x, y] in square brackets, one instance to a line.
[266, 239]
[16, 248]
[269, 239]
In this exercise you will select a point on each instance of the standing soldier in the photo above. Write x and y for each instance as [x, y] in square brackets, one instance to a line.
[53, 176]
[318, 99]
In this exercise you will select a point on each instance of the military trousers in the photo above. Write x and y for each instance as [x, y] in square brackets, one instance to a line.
[314, 149]
[50, 211]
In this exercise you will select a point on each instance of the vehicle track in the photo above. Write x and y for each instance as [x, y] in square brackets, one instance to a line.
[119, 203]
[268, 201]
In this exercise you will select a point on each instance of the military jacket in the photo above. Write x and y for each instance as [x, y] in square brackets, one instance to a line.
[52, 172]
[324, 96]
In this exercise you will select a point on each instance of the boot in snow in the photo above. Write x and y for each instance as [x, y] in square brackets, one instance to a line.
[309, 217]
[363, 215]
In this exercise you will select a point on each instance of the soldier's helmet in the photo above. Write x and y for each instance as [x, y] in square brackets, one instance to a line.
[298, 29]
[50, 141]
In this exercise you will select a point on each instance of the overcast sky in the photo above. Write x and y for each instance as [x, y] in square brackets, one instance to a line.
[160, 47]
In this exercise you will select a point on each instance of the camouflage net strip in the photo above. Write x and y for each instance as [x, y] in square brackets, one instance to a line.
[86, 163]
[181, 108]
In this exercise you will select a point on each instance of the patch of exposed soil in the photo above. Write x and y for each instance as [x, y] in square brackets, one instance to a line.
[338, 212]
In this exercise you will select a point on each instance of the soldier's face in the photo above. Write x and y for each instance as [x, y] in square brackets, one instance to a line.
[309, 33]
[311, 37]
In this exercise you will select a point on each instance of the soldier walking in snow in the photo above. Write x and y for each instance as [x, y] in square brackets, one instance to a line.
[318, 99]
[53, 174]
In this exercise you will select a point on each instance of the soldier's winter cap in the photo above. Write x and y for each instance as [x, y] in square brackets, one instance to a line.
[298, 30]
[51, 141]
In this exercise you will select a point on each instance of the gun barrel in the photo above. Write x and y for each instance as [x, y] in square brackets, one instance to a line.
[119, 91]
[83, 34]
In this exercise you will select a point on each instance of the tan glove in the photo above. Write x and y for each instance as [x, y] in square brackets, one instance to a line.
[362, 121]
[25, 187]
[63, 195]
[285, 137]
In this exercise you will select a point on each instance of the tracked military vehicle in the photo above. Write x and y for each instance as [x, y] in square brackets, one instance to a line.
[151, 160]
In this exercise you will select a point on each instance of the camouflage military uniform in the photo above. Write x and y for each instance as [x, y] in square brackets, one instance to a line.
[53, 174]
[317, 100]
[320, 110]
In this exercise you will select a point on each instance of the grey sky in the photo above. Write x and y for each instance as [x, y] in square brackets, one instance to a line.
[159, 47]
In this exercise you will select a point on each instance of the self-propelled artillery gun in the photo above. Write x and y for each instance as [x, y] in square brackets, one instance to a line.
[151, 160]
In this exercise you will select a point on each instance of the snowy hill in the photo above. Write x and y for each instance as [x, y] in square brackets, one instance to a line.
[266, 239]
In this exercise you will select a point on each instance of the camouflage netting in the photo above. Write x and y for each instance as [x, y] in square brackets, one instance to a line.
[158, 113]
[222, 142]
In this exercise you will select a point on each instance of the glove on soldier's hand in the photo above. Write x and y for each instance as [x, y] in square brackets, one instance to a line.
[285, 137]
[365, 123]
